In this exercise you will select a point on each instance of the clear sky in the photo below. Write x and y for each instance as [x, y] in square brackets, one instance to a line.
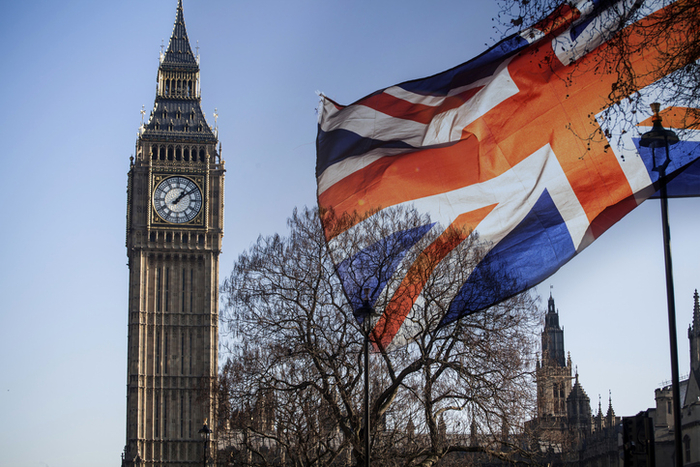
[75, 76]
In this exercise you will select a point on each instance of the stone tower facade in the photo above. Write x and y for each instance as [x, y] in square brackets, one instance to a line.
[554, 370]
[174, 232]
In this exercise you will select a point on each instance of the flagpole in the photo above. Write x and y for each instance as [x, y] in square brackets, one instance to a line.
[655, 138]
[364, 313]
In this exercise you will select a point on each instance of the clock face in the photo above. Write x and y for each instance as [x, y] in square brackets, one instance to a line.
[177, 199]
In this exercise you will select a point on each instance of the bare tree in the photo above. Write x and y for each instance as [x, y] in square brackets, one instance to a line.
[294, 355]
[646, 42]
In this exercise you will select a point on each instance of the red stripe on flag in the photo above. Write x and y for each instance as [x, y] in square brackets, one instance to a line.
[418, 274]
[399, 108]
[397, 179]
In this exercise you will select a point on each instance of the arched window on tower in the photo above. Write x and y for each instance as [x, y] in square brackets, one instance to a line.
[186, 155]
[178, 154]
[201, 155]
[686, 448]
[162, 153]
[167, 87]
[170, 153]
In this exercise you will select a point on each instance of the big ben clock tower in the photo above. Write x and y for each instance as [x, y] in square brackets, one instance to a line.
[173, 239]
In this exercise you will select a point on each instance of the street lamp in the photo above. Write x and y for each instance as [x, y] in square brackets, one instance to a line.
[205, 432]
[363, 315]
[659, 137]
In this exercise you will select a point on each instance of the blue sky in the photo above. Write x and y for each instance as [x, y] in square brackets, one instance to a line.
[75, 76]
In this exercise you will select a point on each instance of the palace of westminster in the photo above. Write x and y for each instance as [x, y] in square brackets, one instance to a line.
[174, 233]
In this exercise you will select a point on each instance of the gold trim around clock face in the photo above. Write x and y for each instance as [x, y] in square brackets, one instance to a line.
[177, 200]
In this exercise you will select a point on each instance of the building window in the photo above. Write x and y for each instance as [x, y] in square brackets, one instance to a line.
[165, 415]
[191, 291]
[190, 352]
[167, 289]
[182, 353]
[156, 421]
[182, 294]
[157, 353]
[158, 288]
[165, 354]
[686, 448]
[182, 415]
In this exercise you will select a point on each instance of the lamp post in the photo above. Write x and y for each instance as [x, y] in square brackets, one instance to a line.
[363, 315]
[205, 432]
[659, 137]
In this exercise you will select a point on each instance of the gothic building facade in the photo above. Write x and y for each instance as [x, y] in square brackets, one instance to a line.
[173, 237]
[565, 431]
[663, 415]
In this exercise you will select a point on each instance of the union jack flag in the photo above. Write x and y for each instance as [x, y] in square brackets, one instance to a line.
[494, 146]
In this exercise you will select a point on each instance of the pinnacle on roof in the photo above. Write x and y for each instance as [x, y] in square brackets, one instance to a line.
[611, 412]
[552, 316]
[179, 53]
[696, 312]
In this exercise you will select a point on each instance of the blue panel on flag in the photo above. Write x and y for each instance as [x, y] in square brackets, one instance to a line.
[516, 263]
[347, 144]
[685, 183]
[364, 271]
[478, 68]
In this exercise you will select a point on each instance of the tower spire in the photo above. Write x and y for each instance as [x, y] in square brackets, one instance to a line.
[179, 52]
[696, 311]
[694, 334]
[553, 336]
[177, 111]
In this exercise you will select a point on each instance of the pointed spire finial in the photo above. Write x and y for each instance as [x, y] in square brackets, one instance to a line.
[696, 312]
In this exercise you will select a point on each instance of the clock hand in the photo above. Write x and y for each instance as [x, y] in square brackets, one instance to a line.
[182, 195]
